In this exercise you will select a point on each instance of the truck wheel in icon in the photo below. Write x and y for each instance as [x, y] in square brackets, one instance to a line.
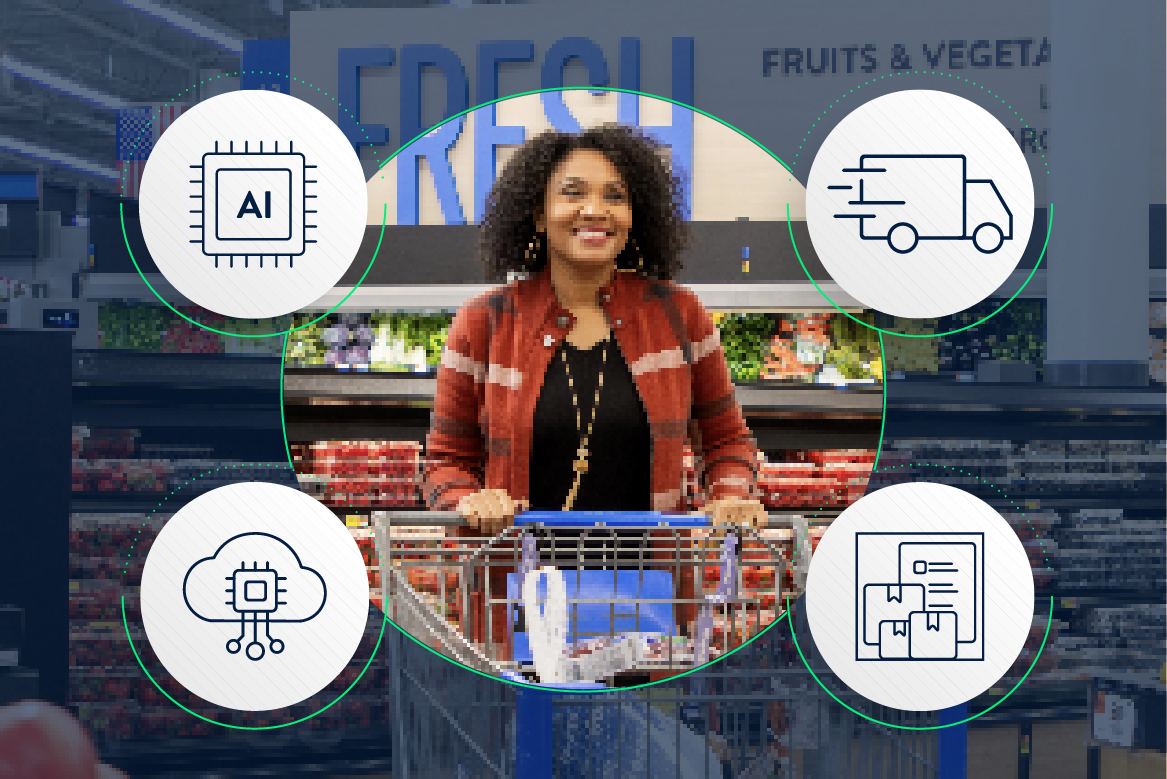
[988, 238]
[932, 198]
[902, 238]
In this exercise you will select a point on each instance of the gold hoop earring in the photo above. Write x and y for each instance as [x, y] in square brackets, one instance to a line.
[640, 264]
[533, 249]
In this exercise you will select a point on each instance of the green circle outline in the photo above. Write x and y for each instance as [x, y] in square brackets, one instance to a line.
[528, 686]
[1036, 265]
[385, 207]
[1048, 624]
[126, 625]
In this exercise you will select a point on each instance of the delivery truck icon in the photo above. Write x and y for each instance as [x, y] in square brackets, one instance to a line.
[926, 197]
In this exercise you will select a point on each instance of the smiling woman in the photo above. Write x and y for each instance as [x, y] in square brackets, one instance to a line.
[576, 386]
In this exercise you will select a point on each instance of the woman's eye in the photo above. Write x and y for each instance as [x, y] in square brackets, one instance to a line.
[616, 196]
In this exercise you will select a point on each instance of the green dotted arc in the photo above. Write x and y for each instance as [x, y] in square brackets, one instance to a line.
[142, 665]
[1049, 622]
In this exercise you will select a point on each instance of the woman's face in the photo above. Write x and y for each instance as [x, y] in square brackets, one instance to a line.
[586, 214]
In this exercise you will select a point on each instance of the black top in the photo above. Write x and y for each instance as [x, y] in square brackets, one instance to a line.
[618, 476]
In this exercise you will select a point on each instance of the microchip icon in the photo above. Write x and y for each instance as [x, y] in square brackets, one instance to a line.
[254, 590]
[254, 204]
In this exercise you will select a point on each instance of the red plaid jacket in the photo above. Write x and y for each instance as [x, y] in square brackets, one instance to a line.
[498, 350]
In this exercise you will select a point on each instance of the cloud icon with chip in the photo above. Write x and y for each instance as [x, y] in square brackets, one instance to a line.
[253, 578]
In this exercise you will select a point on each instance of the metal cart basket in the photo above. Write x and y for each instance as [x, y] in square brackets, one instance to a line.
[641, 592]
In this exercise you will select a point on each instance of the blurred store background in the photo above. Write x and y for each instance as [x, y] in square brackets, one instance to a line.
[122, 411]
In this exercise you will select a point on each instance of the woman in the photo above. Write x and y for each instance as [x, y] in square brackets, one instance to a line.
[594, 220]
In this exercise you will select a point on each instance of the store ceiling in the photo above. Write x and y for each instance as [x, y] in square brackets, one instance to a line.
[100, 54]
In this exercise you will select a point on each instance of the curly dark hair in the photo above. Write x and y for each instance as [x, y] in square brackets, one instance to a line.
[656, 198]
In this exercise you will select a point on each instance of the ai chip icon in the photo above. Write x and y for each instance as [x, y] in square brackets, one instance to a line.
[254, 204]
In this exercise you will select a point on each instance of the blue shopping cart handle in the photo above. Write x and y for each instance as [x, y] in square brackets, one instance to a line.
[610, 519]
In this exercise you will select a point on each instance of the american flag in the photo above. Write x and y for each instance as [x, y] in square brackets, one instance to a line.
[139, 128]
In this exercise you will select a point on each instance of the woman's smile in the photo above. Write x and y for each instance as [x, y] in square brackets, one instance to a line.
[586, 215]
[593, 235]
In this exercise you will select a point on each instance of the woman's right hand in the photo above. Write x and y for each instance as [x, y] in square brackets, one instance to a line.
[490, 511]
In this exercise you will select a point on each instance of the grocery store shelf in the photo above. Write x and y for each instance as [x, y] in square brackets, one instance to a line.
[127, 502]
[972, 396]
[784, 397]
[757, 296]
[799, 295]
[115, 366]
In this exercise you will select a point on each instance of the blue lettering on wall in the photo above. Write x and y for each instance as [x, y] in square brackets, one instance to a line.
[1024, 43]
[870, 63]
[551, 77]
[679, 135]
[434, 147]
[979, 62]
[1004, 54]
[628, 105]
[822, 60]
[955, 55]
[1043, 52]
[770, 59]
[850, 52]
[900, 59]
[415, 57]
[488, 135]
[348, 94]
[933, 59]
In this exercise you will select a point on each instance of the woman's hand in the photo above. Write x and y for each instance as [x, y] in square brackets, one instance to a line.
[735, 511]
[490, 511]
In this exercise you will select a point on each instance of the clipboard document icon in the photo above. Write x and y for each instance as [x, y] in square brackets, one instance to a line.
[919, 596]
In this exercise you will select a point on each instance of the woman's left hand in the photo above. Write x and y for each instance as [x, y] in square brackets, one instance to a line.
[735, 511]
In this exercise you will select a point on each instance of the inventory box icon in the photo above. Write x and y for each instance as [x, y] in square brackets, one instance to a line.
[254, 204]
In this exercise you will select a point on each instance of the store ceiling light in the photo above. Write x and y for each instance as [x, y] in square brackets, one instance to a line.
[65, 159]
[180, 20]
[61, 84]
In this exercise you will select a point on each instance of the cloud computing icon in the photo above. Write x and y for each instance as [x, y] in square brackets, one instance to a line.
[254, 595]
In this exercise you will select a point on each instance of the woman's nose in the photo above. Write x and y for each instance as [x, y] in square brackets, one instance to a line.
[591, 206]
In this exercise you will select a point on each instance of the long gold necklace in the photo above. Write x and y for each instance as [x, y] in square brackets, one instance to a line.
[580, 466]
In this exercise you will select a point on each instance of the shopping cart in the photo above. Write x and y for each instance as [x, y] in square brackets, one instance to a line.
[637, 592]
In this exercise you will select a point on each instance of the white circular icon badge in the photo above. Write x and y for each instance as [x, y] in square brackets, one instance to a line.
[919, 203]
[253, 204]
[254, 596]
[920, 596]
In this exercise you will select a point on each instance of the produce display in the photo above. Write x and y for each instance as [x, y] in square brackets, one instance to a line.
[821, 348]
[381, 342]
[386, 473]
[830, 478]
[359, 473]
[826, 348]
[1017, 333]
[155, 328]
